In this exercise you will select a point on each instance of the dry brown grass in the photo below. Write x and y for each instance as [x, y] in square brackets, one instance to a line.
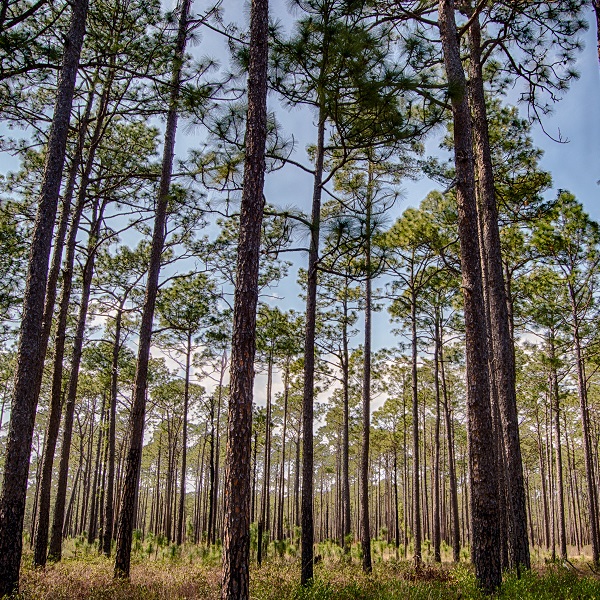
[93, 580]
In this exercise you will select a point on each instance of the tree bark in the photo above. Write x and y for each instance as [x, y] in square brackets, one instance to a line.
[585, 426]
[32, 345]
[41, 542]
[107, 533]
[307, 519]
[365, 537]
[346, 543]
[562, 537]
[415, 431]
[436, 463]
[502, 344]
[236, 526]
[186, 396]
[56, 537]
[482, 461]
[138, 408]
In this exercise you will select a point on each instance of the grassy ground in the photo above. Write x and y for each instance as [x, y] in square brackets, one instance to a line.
[171, 575]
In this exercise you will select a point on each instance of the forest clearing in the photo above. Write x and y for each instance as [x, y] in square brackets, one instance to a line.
[299, 299]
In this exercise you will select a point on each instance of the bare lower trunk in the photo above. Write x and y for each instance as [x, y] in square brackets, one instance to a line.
[562, 537]
[502, 343]
[107, 533]
[482, 460]
[365, 538]
[31, 353]
[307, 520]
[138, 408]
[236, 525]
[186, 395]
[56, 537]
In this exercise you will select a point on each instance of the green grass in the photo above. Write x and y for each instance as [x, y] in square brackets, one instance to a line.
[160, 572]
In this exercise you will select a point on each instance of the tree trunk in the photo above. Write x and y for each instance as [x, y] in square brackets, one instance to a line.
[93, 524]
[365, 538]
[484, 504]
[436, 463]
[307, 519]
[186, 397]
[587, 450]
[502, 343]
[562, 537]
[56, 537]
[346, 543]
[43, 517]
[138, 408]
[218, 444]
[415, 430]
[112, 423]
[286, 378]
[61, 326]
[32, 345]
[263, 519]
[236, 526]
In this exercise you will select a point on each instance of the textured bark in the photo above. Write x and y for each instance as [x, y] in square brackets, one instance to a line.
[56, 537]
[263, 518]
[107, 531]
[365, 537]
[32, 347]
[482, 461]
[286, 386]
[307, 519]
[346, 434]
[436, 462]
[186, 397]
[502, 344]
[236, 527]
[218, 444]
[93, 523]
[562, 537]
[416, 521]
[138, 407]
[41, 541]
[43, 508]
[585, 430]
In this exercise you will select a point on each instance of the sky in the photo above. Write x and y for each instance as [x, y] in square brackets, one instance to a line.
[575, 165]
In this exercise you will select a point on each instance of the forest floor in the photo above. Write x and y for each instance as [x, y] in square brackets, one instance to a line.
[195, 573]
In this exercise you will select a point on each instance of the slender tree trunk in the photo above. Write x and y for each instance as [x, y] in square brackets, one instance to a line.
[307, 519]
[562, 537]
[236, 525]
[112, 423]
[365, 538]
[32, 344]
[346, 543]
[56, 537]
[57, 393]
[484, 504]
[587, 450]
[186, 397]
[64, 307]
[415, 431]
[502, 343]
[264, 499]
[93, 523]
[218, 444]
[436, 463]
[286, 378]
[138, 408]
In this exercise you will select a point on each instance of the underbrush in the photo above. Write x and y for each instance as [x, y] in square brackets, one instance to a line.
[192, 572]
